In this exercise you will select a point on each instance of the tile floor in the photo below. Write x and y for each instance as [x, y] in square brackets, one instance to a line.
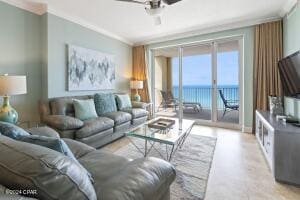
[239, 171]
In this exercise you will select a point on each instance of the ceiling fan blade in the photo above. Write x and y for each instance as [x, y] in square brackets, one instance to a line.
[133, 1]
[170, 2]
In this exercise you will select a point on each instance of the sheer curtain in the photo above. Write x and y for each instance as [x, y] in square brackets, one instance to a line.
[140, 71]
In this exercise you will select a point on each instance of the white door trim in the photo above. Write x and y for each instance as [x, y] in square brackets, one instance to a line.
[214, 65]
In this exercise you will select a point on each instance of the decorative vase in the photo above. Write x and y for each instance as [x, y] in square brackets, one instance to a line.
[8, 113]
[275, 104]
[137, 97]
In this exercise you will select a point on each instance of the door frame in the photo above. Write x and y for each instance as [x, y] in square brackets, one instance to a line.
[213, 42]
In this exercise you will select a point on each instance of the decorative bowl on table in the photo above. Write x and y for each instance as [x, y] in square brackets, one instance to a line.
[162, 124]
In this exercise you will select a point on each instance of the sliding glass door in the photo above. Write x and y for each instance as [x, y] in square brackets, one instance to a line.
[227, 70]
[205, 75]
[197, 82]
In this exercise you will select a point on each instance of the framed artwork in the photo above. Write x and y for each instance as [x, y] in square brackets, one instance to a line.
[90, 70]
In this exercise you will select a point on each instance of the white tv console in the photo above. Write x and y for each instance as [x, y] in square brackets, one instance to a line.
[280, 144]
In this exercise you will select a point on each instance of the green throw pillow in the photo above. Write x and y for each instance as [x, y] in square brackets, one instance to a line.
[84, 109]
[123, 101]
[105, 103]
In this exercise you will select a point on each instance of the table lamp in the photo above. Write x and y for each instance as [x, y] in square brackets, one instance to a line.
[10, 85]
[136, 85]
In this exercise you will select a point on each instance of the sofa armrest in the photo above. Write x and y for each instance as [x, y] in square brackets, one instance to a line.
[43, 131]
[44, 109]
[62, 122]
[136, 104]
[148, 178]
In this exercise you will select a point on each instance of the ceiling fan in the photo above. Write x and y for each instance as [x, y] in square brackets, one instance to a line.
[153, 7]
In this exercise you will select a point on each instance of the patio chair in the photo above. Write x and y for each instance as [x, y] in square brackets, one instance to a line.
[167, 101]
[170, 101]
[229, 105]
[197, 107]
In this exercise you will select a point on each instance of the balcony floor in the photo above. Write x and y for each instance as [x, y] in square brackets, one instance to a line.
[205, 114]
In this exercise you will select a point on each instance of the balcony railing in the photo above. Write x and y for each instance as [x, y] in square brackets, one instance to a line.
[203, 95]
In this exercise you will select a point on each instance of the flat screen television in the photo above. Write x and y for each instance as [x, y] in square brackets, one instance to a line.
[289, 70]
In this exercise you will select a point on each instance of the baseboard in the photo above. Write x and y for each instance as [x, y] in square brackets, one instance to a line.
[219, 124]
[247, 129]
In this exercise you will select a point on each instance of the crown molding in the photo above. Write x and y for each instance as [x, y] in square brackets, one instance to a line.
[40, 9]
[33, 7]
[288, 6]
[195, 31]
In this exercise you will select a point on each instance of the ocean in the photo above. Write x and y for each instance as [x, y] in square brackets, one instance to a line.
[203, 94]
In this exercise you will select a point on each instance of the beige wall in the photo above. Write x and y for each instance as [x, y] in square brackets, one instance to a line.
[161, 80]
[169, 74]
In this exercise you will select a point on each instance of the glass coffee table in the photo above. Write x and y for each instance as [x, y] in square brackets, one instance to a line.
[173, 139]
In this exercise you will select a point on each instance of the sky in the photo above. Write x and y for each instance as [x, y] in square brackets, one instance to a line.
[197, 69]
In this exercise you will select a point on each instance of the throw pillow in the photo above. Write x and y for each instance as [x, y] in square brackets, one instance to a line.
[84, 109]
[55, 144]
[123, 101]
[105, 103]
[11, 130]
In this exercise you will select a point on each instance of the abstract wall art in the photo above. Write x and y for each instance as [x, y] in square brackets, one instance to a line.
[90, 70]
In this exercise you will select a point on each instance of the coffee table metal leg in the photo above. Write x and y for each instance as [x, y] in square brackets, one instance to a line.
[171, 153]
[145, 154]
[167, 151]
[181, 142]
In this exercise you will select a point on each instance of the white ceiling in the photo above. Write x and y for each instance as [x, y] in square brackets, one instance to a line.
[130, 23]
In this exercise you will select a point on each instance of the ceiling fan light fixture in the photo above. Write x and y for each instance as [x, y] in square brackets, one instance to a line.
[155, 12]
[157, 21]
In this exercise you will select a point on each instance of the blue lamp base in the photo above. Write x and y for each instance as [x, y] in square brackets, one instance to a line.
[137, 97]
[8, 113]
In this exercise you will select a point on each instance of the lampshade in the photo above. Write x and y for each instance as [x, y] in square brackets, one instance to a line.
[12, 85]
[136, 84]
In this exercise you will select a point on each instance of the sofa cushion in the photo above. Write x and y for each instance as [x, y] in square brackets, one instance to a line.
[123, 101]
[105, 103]
[117, 178]
[85, 109]
[136, 112]
[103, 164]
[160, 175]
[42, 169]
[63, 122]
[79, 149]
[119, 117]
[11, 130]
[93, 126]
